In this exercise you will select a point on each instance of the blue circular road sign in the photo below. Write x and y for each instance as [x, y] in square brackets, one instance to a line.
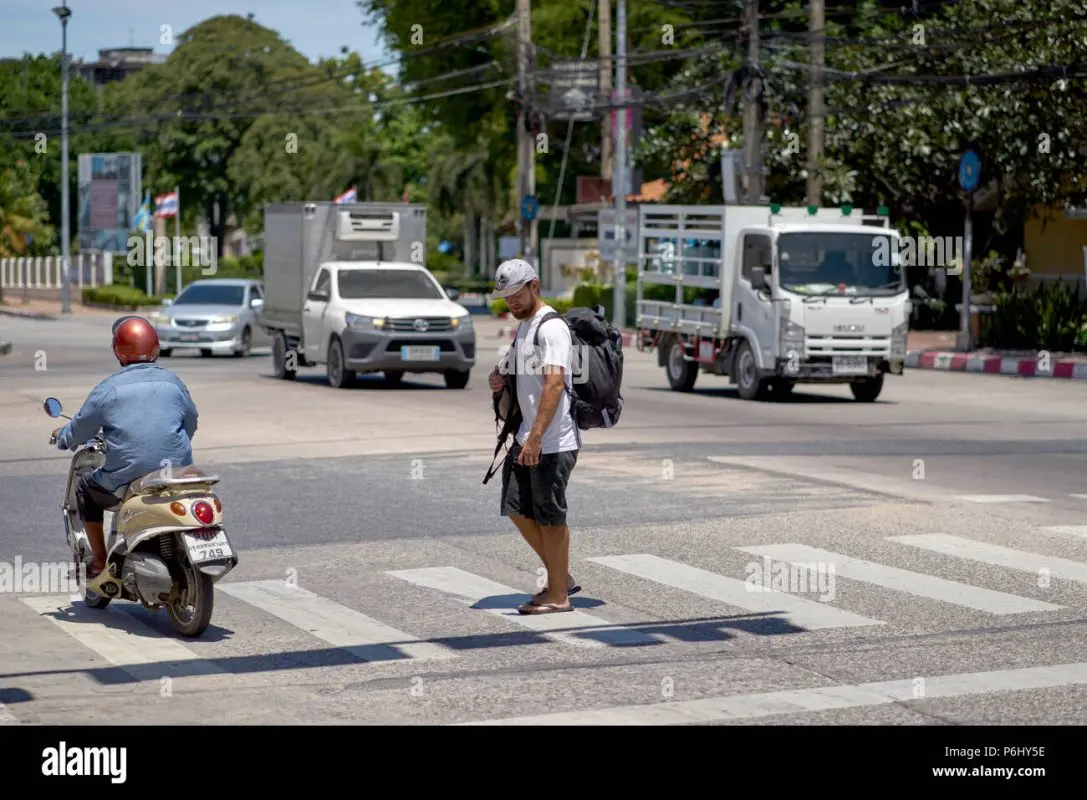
[529, 207]
[969, 171]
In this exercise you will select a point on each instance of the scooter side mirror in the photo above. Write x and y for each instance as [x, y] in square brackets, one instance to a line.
[52, 407]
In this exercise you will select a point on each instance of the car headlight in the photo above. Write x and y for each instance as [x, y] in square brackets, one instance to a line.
[363, 323]
[461, 323]
[222, 323]
[898, 340]
[791, 337]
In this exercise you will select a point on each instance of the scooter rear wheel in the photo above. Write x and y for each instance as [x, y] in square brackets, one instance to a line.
[190, 614]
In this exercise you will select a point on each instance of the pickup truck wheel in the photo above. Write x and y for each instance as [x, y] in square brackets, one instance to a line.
[746, 371]
[868, 389]
[682, 373]
[279, 358]
[457, 379]
[338, 376]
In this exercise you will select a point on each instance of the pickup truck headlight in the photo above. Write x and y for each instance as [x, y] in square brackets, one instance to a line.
[791, 337]
[461, 323]
[363, 323]
[898, 340]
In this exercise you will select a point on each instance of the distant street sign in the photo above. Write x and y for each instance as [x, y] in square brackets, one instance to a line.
[969, 171]
[573, 87]
[529, 207]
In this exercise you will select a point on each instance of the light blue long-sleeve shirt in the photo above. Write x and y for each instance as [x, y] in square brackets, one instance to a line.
[147, 417]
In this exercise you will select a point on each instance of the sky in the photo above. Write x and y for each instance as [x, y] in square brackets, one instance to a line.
[313, 27]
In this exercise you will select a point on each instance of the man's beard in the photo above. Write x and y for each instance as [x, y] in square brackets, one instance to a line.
[522, 315]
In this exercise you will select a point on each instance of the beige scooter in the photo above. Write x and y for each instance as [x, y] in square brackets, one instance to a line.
[165, 543]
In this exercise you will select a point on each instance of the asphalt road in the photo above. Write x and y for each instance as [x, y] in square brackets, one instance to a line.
[944, 529]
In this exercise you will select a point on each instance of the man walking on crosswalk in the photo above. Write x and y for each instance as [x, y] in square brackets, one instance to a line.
[538, 465]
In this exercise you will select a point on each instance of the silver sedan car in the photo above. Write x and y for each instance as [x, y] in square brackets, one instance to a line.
[214, 316]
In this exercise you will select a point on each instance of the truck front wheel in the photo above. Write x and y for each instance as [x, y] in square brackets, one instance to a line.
[681, 373]
[338, 375]
[745, 371]
[867, 389]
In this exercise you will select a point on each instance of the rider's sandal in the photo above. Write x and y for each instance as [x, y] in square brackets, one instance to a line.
[94, 584]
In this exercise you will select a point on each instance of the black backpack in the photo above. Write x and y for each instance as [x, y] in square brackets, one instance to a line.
[597, 376]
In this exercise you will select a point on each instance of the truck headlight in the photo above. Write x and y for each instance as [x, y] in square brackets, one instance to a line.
[363, 323]
[791, 337]
[898, 340]
[461, 323]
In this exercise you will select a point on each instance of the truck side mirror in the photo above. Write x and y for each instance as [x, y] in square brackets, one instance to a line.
[758, 279]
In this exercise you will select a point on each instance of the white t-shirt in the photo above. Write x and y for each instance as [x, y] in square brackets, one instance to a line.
[556, 348]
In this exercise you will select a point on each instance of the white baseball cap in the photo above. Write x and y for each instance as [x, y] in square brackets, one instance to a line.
[511, 276]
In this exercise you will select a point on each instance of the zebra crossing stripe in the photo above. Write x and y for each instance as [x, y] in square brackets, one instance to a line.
[902, 580]
[6, 717]
[341, 627]
[807, 614]
[571, 627]
[820, 698]
[996, 555]
[123, 640]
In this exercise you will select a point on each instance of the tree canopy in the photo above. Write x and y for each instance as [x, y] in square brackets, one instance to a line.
[239, 118]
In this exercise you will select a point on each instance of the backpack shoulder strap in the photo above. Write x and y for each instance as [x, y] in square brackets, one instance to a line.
[546, 317]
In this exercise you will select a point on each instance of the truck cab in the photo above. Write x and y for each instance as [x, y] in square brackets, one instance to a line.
[773, 299]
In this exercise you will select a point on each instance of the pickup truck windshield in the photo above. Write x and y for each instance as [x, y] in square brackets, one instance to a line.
[818, 263]
[396, 284]
[210, 295]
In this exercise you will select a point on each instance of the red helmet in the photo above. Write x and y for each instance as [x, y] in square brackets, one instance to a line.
[135, 341]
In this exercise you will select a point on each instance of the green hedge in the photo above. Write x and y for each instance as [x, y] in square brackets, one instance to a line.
[125, 297]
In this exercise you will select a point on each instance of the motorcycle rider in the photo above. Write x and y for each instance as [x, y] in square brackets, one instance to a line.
[148, 420]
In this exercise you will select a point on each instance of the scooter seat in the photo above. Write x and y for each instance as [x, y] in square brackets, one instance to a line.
[154, 482]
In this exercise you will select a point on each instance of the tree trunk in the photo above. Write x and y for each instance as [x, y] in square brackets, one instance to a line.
[467, 224]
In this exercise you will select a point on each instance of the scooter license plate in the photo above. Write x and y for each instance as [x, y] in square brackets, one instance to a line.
[204, 548]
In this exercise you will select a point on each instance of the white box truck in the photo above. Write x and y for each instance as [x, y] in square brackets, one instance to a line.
[772, 297]
[345, 286]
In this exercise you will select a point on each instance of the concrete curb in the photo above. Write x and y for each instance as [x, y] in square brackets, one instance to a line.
[7, 311]
[1023, 367]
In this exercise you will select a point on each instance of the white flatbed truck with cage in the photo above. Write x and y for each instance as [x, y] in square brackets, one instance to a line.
[771, 297]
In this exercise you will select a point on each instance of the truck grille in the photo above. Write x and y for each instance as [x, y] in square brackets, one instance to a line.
[848, 345]
[433, 325]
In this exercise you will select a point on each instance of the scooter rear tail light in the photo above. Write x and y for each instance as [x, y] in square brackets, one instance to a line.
[203, 512]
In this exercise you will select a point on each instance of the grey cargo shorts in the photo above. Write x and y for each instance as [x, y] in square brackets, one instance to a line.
[538, 492]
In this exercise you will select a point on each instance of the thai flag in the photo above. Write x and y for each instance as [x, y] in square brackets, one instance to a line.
[350, 196]
[166, 205]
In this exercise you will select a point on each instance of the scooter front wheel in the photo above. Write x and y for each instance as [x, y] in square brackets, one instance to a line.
[190, 611]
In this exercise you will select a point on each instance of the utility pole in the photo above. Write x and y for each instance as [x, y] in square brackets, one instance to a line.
[63, 13]
[526, 149]
[606, 68]
[752, 122]
[620, 171]
[816, 109]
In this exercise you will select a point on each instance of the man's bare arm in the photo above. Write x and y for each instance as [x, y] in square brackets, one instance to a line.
[554, 386]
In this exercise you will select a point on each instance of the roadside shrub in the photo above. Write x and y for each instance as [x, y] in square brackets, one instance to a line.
[1052, 317]
[120, 296]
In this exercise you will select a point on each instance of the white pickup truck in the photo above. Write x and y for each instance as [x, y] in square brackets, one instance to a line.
[345, 287]
[772, 297]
